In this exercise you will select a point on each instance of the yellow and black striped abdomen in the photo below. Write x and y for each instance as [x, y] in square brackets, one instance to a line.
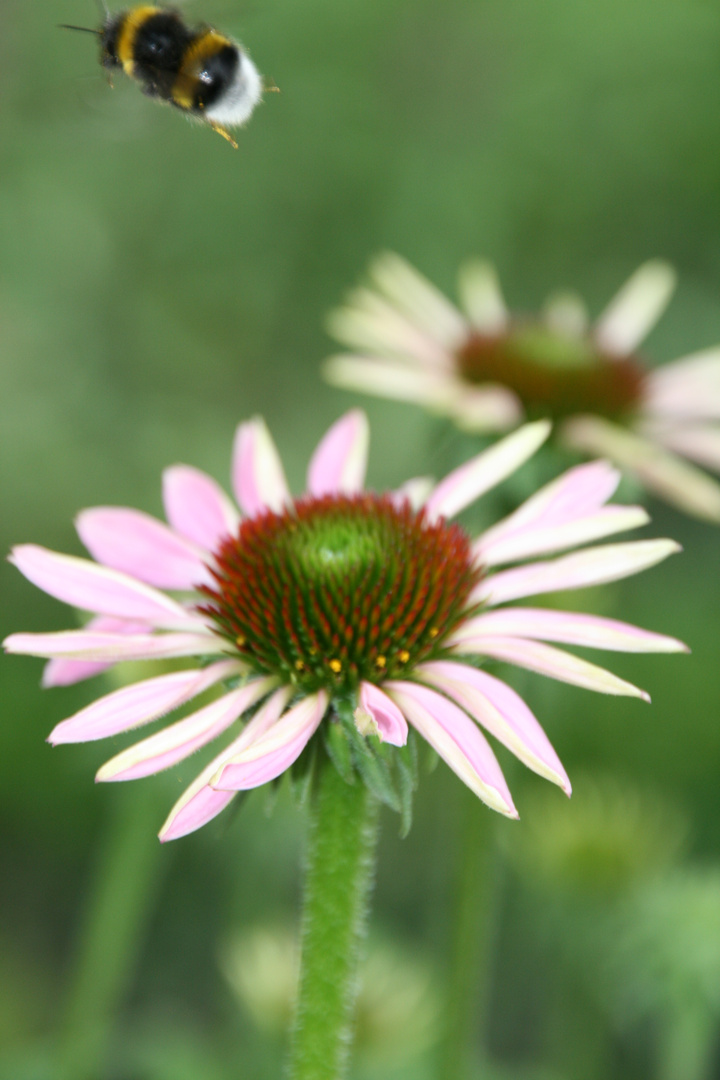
[208, 67]
[149, 43]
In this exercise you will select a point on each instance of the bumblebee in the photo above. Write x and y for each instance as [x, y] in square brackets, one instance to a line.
[196, 69]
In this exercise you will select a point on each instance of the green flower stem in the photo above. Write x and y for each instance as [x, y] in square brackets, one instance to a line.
[473, 939]
[120, 903]
[339, 876]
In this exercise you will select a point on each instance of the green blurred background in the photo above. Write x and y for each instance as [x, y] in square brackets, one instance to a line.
[156, 288]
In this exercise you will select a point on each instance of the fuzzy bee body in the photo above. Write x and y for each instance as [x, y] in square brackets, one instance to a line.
[196, 69]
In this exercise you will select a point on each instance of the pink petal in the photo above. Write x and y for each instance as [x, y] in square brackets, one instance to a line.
[340, 461]
[61, 672]
[501, 712]
[175, 743]
[688, 388]
[270, 755]
[91, 587]
[594, 566]
[257, 473]
[554, 663]
[568, 627]
[111, 648]
[199, 803]
[457, 740]
[536, 540]
[132, 706]
[464, 485]
[631, 314]
[140, 545]
[197, 507]
[391, 723]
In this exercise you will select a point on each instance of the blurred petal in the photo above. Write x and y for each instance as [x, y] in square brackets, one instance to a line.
[340, 461]
[274, 752]
[198, 507]
[632, 313]
[111, 648]
[418, 299]
[175, 743]
[369, 323]
[667, 475]
[568, 627]
[486, 408]
[481, 297]
[258, 478]
[390, 378]
[91, 587]
[566, 313]
[140, 545]
[594, 566]
[61, 672]
[199, 803]
[462, 486]
[391, 724]
[556, 664]
[137, 704]
[688, 388]
[457, 740]
[415, 491]
[701, 443]
[501, 712]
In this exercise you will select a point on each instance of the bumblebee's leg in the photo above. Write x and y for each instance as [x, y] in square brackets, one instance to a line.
[225, 134]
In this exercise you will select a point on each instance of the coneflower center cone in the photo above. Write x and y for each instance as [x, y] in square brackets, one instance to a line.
[555, 375]
[341, 588]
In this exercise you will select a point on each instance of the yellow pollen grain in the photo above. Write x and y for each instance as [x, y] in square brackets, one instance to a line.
[241, 641]
[380, 662]
[299, 665]
[433, 631]
[335, 666]
[403, 656]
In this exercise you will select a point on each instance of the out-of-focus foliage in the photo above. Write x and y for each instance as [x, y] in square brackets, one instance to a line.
[157, 287]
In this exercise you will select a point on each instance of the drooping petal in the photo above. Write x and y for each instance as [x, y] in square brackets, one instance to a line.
[111, 648]
[271, 754]
[462, 486]
[137, 704]
[532, 541]
[62, 672]
[662, 472]
[91, 587]
[140, 545]
[418, 299]
[369, 323]
[502, 712]
[632, 313]
[568, 627]
[199, 803]
[457, 740]
[481, 297]
[391, 723]
[258, 478]
[339, 463]
[688, 388]
[555, 663]
[593, 566]
[175, 743]
[697, 441]
[197, 506]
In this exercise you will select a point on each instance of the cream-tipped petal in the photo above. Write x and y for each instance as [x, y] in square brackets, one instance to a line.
[565, 313]
[200, 803]
[567, 627]
[533, 541]
[688, 388]
[257, 474]
[384, 714]
[662, 472]
[111, 648]
[369, 323]
[62, 672]
[391, 379]
[700, 442]
[465, 484]
[481, 297]
[138, 704]
[418, 299]
[143, 547]
[269, 756]
[501, 712]
[340, 460]
[632, 313]
[593, 566]
[197, 507]
[485, 408]
[555, 663]
[457, 740]
[178, 741]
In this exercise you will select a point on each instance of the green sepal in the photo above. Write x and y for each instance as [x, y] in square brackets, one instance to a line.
[372, 760]
[302, 772]
[406, 763]
[338, 749]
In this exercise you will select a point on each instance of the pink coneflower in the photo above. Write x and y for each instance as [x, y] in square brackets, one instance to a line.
[489, 370]
[301, 607]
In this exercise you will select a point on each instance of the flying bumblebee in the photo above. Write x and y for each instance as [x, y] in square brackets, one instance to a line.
[197, 69]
